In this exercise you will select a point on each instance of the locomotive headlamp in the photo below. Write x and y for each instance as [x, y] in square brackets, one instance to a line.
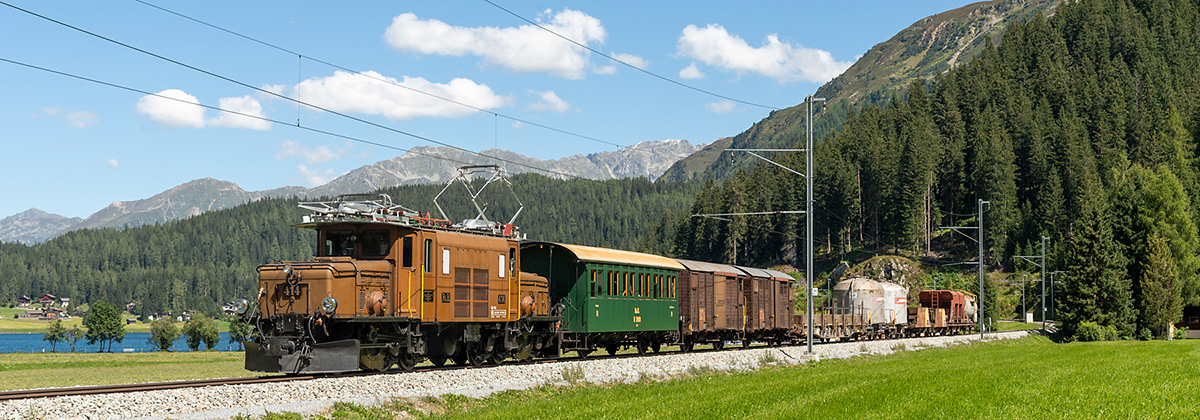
[329, 304]
[287, 270]
[241, 305]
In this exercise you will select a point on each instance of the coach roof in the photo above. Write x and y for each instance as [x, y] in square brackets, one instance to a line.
[616, 256]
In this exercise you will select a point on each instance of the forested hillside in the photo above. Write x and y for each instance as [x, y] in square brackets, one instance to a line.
[1081, 127]
[207, 260]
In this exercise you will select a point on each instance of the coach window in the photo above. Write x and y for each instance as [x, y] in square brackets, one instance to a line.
[428, 266]
[612, 283]
[592, 283]
[406, 251]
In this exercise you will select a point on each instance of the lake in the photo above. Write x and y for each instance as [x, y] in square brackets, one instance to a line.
[133, 343]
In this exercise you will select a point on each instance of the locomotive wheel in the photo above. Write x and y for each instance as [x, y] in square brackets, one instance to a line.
[460, 357]
[655, 346]
[718, 345]
[407, 361]
[475, 354]
[438, 361]
[497, 357]
[525, 353]
[612, 349]
[374, 359]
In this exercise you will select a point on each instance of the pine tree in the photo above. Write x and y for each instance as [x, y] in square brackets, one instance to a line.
[1161, 302]
[1095, 288]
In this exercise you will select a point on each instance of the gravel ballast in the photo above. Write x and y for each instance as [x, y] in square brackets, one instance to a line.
[313, 396]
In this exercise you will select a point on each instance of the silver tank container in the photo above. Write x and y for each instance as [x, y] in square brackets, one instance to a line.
[880, 302]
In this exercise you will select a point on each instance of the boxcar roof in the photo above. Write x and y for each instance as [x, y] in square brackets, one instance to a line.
[780, 275]
[756, 272]
[708, 267]
[616, 256]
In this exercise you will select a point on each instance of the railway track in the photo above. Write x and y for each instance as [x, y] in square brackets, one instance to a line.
[200, 383]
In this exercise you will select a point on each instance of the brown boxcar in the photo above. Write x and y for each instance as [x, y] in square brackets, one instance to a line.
[710, 302]
[939, 312]
[768, 305]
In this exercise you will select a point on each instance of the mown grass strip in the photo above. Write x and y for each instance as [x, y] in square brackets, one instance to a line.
[1028, 378]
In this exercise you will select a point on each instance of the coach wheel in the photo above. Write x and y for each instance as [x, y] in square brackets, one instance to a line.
[655, 346]
[583, 354]
[718, 345]
[746, 343]
[612, 349]
[687, 345]
[641, 346]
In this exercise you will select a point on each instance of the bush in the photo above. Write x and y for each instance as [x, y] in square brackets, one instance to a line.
[163, 333]
[1091, 331]
[1180, 333]
[1145, 334]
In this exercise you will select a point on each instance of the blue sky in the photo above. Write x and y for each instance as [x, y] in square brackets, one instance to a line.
[72, 147]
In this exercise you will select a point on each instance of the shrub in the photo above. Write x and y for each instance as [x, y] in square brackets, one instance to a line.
[1180, 333]
[1145, 334]
[1091, 331]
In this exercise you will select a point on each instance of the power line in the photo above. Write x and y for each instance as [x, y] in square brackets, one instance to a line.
[257, 117]
[237, 82]
[379, 79]
[673, 81]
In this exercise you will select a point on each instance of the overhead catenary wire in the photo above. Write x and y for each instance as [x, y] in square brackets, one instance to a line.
[379, 79]
[288, 98]
[655, 75]
[257, 117]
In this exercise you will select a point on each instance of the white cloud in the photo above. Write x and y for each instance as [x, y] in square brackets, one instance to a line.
[315, 177]
[311, 155]
[632, 60]
[77, 119]
[112, 163]
[172, 113]
[605, 70]
[185, 111]
[691, 72]
[522, 49]
[518, 125]
[721, 107]
[549, 102]
[782, 61]
[244, 105]
[348, 92]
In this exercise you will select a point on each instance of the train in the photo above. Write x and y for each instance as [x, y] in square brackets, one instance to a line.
[389, 288]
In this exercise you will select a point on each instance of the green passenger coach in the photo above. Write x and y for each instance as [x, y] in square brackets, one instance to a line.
[611, 298]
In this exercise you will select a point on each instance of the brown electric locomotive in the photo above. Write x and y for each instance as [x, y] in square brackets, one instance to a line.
[389, 287]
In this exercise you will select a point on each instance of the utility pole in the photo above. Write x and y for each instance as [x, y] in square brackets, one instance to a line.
[979, 228]
[1042, 258]
[1024, 279]
[808, 209]
[808, 205]
[1053, 303]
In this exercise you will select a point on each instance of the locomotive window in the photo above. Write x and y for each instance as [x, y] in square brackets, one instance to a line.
[377, 243]
[501, 264]
[445, 260]
[512, 261]
[428, 266]
[407, 251]
[339, 243]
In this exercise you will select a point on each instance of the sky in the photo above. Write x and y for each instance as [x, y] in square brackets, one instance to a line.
[72, 147]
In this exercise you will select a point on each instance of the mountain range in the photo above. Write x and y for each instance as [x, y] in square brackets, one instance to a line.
[418, 166]
[925, 49]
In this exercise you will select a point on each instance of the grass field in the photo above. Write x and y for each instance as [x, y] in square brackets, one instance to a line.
[1021, 379]
[42, 370]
